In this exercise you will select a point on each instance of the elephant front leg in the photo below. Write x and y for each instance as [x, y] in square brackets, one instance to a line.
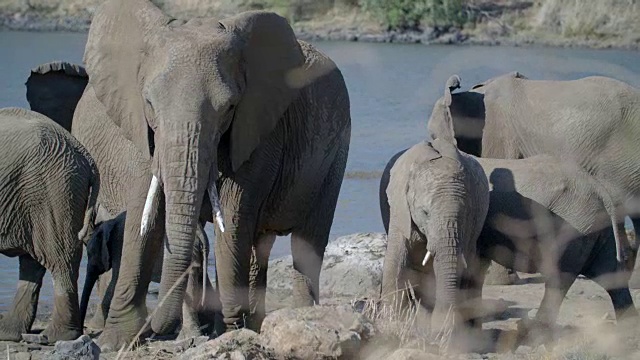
[23, 312]
[128, 310]
[258, 278]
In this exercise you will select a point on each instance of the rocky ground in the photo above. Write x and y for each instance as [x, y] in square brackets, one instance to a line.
[344, 327]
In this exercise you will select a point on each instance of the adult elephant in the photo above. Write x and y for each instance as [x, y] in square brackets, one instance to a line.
[592, 122]
[433, 201]
[238, 105]
[48, 189]
[54, 89]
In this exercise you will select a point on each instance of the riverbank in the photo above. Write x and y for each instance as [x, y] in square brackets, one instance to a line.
[594, 24]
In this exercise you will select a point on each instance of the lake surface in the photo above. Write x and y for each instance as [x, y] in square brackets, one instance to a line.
[392, 88]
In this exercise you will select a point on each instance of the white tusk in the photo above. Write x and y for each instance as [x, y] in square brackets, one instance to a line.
[215, 204]
[146, 212]
[426, 258]
[464, 262]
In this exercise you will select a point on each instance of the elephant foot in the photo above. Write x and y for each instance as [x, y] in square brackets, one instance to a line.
[97, 321]
[11, 329]
[119, 332]
[55, 332]
[189, 332]
[499, 275]
[535, 333]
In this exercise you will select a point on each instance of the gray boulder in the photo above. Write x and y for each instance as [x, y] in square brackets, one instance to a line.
[316, 332]
[235, 345]
[83, 348]
[352, 268]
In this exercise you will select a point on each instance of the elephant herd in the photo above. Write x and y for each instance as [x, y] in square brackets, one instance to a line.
[176, 123]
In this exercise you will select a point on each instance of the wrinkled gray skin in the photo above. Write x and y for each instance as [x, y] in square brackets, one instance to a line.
[48, 190]
[433, 198]
[104, 251]
[240, 104]
[54, 89]
[546, 216]
[592, 122]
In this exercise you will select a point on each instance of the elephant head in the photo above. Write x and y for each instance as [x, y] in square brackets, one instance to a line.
[99, 256]
[54, 89]
[460, 117]
[179, 89]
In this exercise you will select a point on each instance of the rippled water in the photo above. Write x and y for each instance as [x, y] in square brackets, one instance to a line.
[391, 87]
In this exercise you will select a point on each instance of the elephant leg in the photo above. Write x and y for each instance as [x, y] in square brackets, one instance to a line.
[65, 320]
[634, 281]
[23, 311]
[472, 282]
[258, 278]
[556, 287]
[309, 241]
[128, 310]
[102, 310]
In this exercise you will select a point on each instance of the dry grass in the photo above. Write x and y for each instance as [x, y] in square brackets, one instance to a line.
[589, 18]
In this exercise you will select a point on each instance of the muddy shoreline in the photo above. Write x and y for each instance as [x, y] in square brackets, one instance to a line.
[44, 23]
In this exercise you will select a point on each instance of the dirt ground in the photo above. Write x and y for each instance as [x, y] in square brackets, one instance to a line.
[586, 327]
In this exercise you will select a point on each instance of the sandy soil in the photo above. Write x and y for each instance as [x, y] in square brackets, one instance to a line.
[585, 326]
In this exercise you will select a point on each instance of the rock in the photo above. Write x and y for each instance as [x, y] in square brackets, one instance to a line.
[234, 345]
[413, 354]
[21, 356]
[352, 267]
[83, 348]
[317, 332]
[524, 350]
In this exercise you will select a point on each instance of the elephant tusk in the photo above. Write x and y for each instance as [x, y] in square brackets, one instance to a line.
[464, 261]
[426, 258]
[146, 212]
[215, 205]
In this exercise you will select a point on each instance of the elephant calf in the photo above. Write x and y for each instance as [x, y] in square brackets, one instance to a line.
[104, 253]
[48, 189]
[434, 200]
[546, 216]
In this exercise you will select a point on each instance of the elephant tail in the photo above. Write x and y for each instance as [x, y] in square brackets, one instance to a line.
[90, 210]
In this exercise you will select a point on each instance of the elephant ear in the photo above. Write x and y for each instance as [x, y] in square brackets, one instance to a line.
[116, 57]
[446, 149]
[54, 89]
[441, 122]
[271, 54]
[399, 182]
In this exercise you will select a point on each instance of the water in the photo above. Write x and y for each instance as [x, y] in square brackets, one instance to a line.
[392, 89]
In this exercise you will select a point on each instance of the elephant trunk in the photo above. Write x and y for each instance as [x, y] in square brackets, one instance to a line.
[185, 170]
[446, 256]
[89, 283]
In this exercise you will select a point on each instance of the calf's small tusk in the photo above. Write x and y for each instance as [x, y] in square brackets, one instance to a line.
[426, 258]
[146, 212]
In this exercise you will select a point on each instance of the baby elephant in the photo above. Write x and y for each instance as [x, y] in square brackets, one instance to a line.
[48, 189]
[104, 252]
[546, 216]
[434, 200]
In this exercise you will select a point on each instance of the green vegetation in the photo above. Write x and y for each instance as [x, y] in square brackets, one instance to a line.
[412, 14]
